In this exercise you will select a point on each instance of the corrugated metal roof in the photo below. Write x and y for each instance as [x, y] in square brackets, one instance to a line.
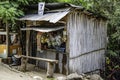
[45, 29]
[51, 17]
[55, 15]
[58, 10]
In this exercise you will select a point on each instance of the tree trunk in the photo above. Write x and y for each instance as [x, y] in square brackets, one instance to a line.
[7, 39]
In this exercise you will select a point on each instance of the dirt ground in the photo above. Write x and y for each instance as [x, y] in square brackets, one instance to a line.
[8, 73]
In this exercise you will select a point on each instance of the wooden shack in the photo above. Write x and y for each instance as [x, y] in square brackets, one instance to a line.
[84, 32]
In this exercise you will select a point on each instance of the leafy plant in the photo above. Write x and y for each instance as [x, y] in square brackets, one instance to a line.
[9, 12]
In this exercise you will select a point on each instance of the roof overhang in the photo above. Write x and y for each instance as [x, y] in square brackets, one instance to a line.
[51, 17]
[56, 15]
[44, 29]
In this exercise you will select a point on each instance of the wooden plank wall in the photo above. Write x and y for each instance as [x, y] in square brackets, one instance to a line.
[87, 42]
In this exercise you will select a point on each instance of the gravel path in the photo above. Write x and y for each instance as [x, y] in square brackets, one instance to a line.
[7, 73]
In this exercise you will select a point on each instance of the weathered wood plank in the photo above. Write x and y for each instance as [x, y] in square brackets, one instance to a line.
[42, 59]
[27, 42]
[50, 69]
[50, 64]
[88, 53]
[87, 42]
[23, 64]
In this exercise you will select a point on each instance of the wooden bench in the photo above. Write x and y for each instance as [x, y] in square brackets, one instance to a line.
[50, 64]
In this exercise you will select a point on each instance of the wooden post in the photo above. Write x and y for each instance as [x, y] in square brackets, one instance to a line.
[23, 64]
[67, 50]
[27, 42]
[50, 69]
[7, 39]
[27, 45]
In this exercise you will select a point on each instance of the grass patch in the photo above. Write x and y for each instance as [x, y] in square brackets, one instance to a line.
[50, 78]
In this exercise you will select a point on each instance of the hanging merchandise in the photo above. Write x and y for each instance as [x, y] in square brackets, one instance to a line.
[58, 40]
[64, 38]
[47, 40]
[53, 40]
[42, 39]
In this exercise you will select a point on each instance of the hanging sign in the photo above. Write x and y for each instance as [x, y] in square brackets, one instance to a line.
[41, 7]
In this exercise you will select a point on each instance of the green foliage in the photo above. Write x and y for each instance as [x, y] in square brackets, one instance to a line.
[23, 2]
[10, 10]
[36, 1]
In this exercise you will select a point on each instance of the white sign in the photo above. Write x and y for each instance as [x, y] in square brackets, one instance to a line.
[41, 6]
